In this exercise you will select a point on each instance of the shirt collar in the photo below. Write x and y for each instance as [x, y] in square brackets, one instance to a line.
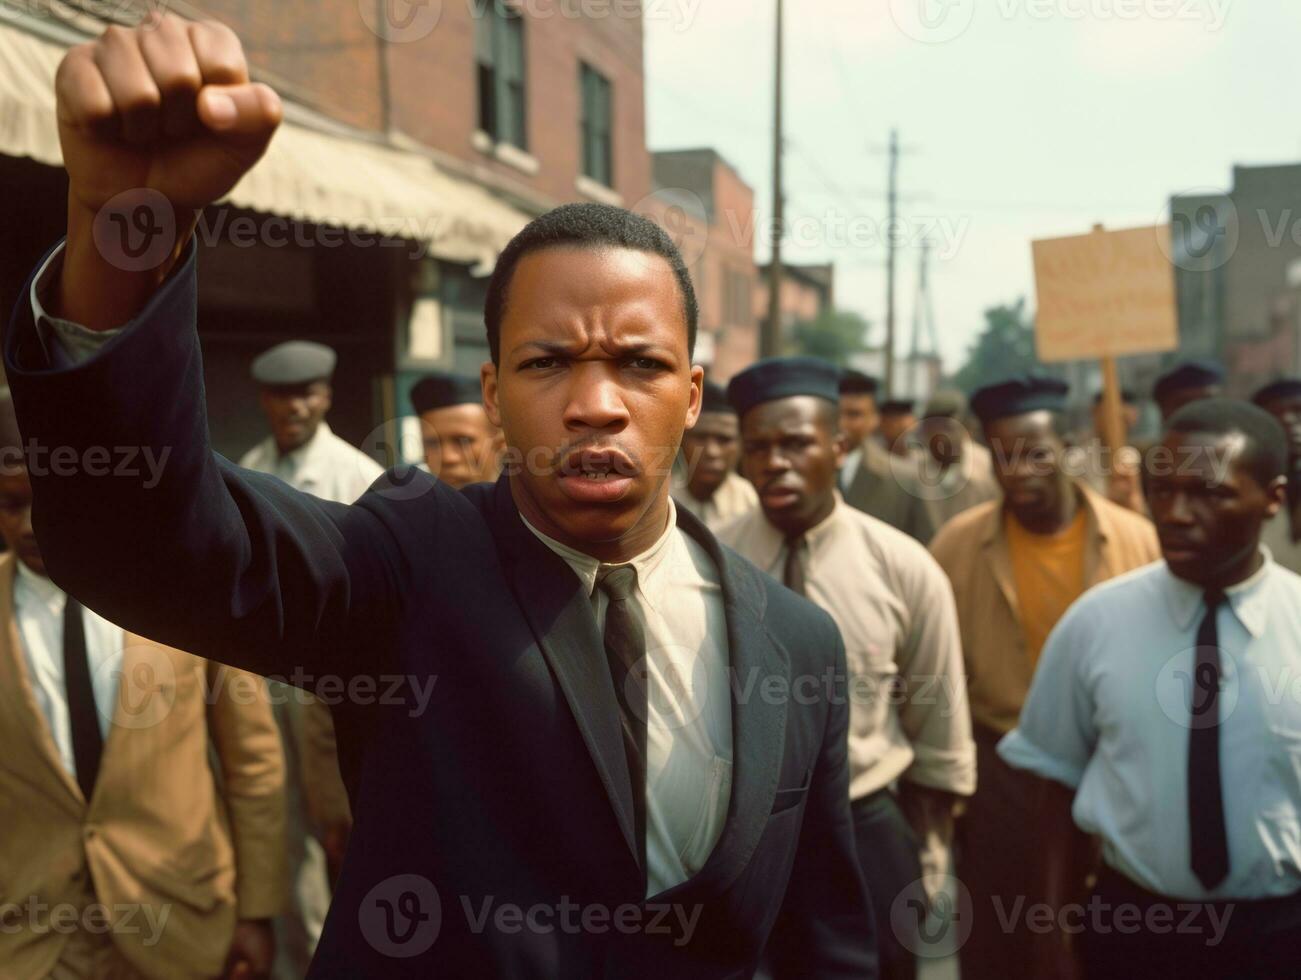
[1247, 599]
[37, 588]
[647, 564]
[771, 542]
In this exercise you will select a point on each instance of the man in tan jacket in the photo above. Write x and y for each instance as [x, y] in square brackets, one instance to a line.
[123, 854]
[1016, 565]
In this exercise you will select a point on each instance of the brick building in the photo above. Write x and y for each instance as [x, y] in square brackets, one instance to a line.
[418, 139]
[807, 291]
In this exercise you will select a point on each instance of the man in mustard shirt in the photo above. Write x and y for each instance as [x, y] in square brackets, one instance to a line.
[1016, 564]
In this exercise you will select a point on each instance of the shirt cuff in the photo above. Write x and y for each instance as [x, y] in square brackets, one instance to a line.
[78, 343]
[1020, 753]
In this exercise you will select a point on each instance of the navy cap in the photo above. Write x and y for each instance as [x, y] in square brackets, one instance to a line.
[441, 390]
[1019, 395]
[897, 406]
[1189, 374]
[713, 398]
[857, 383]
[295, 362]
[1282, 388]
[784, 377]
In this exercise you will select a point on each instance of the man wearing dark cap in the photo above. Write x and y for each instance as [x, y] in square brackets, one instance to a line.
[1282, 534]
[873, 479]
[1187, 382]
[957, 473]
[897, 420]
[707, 483]
[461, 444]
[1016, 565]
[295, 395]
[552, 772]
[1157, 721]
[911, 756]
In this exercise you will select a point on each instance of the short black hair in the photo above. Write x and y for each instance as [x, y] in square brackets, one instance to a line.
[1265, 454]
[857, 383]
[592, 226]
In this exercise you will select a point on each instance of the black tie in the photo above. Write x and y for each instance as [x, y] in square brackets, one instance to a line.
[793, 575]
[625, 651]
[1208, 838]
[83, 716]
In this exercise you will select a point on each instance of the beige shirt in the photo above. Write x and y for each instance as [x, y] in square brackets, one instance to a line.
[736, 496]
[689, 731]
[1276, 535]
[325, 466]
[894, 608]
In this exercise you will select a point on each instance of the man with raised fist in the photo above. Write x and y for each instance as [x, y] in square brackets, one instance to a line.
[567, 734]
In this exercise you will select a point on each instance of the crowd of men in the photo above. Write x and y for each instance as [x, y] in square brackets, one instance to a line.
[677, 680]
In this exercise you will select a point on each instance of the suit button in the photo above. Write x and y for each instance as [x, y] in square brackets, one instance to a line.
[89, 833]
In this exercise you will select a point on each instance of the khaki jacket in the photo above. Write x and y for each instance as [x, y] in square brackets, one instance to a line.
[972, 549]
[175, 851]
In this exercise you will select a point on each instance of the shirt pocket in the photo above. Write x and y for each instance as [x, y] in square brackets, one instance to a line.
[713, 812]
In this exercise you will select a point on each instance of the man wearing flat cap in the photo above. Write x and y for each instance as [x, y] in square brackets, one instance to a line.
[706, 482]
[898, 416]
[295, 395]
[911, 756]
[1187, 382]
[1282, 534]
[461, 444]
[874, 480]
[957, 472]
[1016, 565]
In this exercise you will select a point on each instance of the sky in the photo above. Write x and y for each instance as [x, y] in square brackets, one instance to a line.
[1019, 119]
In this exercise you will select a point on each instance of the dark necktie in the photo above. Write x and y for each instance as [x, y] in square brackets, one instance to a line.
[1209, 842]
[793, 575]
[83, 716]
[625, 651]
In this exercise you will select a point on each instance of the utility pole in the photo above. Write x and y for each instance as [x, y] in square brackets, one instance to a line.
[770, 339]
[892, 199]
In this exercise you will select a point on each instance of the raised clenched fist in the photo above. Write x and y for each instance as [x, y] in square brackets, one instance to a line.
[166, 107]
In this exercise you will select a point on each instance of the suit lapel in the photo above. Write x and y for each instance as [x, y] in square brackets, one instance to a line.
[27, 721]
[561, 618]
[758, 722]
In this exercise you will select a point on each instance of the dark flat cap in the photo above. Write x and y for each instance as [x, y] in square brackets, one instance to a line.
[1019, 395]
[1189, 374]
[784, 377]
[441, 390]
[1282, 388]
[295, 362]
[897, 406]
[713, 398]
[857, 383]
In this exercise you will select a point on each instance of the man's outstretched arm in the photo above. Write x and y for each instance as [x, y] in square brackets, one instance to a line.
[135, 514]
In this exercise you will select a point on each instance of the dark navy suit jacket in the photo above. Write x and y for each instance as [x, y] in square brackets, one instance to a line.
[493, 822]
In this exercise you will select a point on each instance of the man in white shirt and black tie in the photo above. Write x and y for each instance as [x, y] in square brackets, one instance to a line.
[1163, 718]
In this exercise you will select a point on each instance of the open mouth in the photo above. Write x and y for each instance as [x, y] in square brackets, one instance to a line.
[596, 475]
[779, 497]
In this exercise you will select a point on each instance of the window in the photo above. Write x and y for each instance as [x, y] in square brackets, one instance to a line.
[598, 151]
[499, 62]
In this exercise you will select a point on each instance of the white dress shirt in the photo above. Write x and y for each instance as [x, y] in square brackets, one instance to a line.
[1109, 711]
[908, 714]
[734, 497]
[689, 731]
[324, 466]
[38, 606]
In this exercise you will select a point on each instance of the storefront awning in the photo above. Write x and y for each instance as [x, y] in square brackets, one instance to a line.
[315, 170]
